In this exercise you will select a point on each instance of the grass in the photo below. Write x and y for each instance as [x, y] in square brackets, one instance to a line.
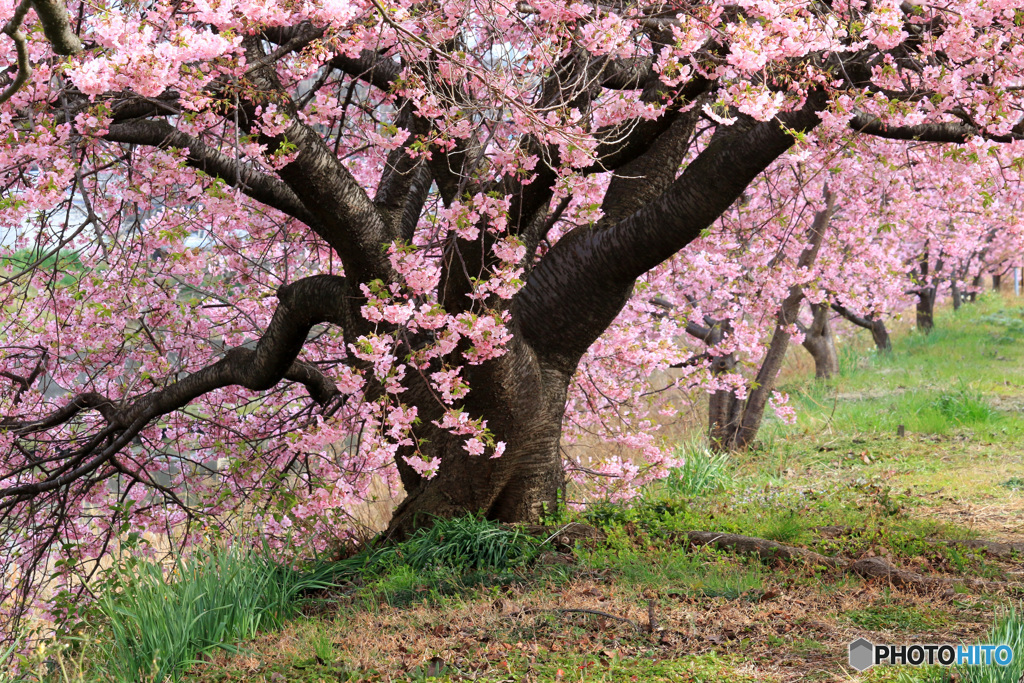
[893, 617]
[703, 471]
[1008, 630]
[155, 623]
[467, 543]
[673, 570]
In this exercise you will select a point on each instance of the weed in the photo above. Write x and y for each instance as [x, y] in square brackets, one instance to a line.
[1014, 484]
[889, 617]
[464, 543]
[784, 528]
[7, 657]
[962, 406]
[323, 648]
[159, 624]
[703, 471]
[1008, 630]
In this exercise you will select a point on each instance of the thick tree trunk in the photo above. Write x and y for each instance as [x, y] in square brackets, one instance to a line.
[997, 281]
[522, 399]
[926, 310]
[821, 343]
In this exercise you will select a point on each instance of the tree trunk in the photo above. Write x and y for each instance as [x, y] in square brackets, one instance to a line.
[880, 335]
[997, 281]
[523, 400]
[957, 297]
[821, 343]
[926, 310]
[724, 407]
[734, 423]
[976, 285]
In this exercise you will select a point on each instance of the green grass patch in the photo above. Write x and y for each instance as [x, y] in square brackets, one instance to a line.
[157, 624]
[891, 617]
[703, 471]
[701, 572]
[463, 544]
[450, 558]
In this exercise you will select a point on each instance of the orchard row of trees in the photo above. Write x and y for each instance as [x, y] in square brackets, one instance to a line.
[273, 255]
[850, 245]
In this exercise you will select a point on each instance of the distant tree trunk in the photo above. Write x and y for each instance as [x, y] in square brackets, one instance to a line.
[821, 343]
[997, 281]
[926, 309]
[879, 334]
[957, 296]
[724, 408]
[976, 284]
[733, 423]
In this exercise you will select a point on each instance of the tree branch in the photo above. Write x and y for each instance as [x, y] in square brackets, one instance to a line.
[53, 15]
[768, 373]
[369, 67]
[13, 29]
[579, 287]
[342, 211]
[201, 156]
[926, 132]
[303, 304]
[851, 316]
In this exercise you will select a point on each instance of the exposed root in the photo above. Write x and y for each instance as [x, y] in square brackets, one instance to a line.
[868, 567]
[995, 548]
[771, 551]
[763, 548]
[879, 568]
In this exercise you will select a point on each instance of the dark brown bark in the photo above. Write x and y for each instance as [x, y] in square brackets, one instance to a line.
[976, 285]
[523, 399]
[821, 343]
[926, 310]
[880, 335]
[997, 281]
[934, 132]
[724, 407]
[53, 15]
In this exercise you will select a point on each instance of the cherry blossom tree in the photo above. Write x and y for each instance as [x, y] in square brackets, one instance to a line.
[274, 255]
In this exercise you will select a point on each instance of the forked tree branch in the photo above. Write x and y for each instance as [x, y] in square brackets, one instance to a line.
[579, 287]
[342, 211]
[13, 29]
[303, 304]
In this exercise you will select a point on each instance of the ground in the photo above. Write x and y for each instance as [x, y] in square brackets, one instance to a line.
[894, 458]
